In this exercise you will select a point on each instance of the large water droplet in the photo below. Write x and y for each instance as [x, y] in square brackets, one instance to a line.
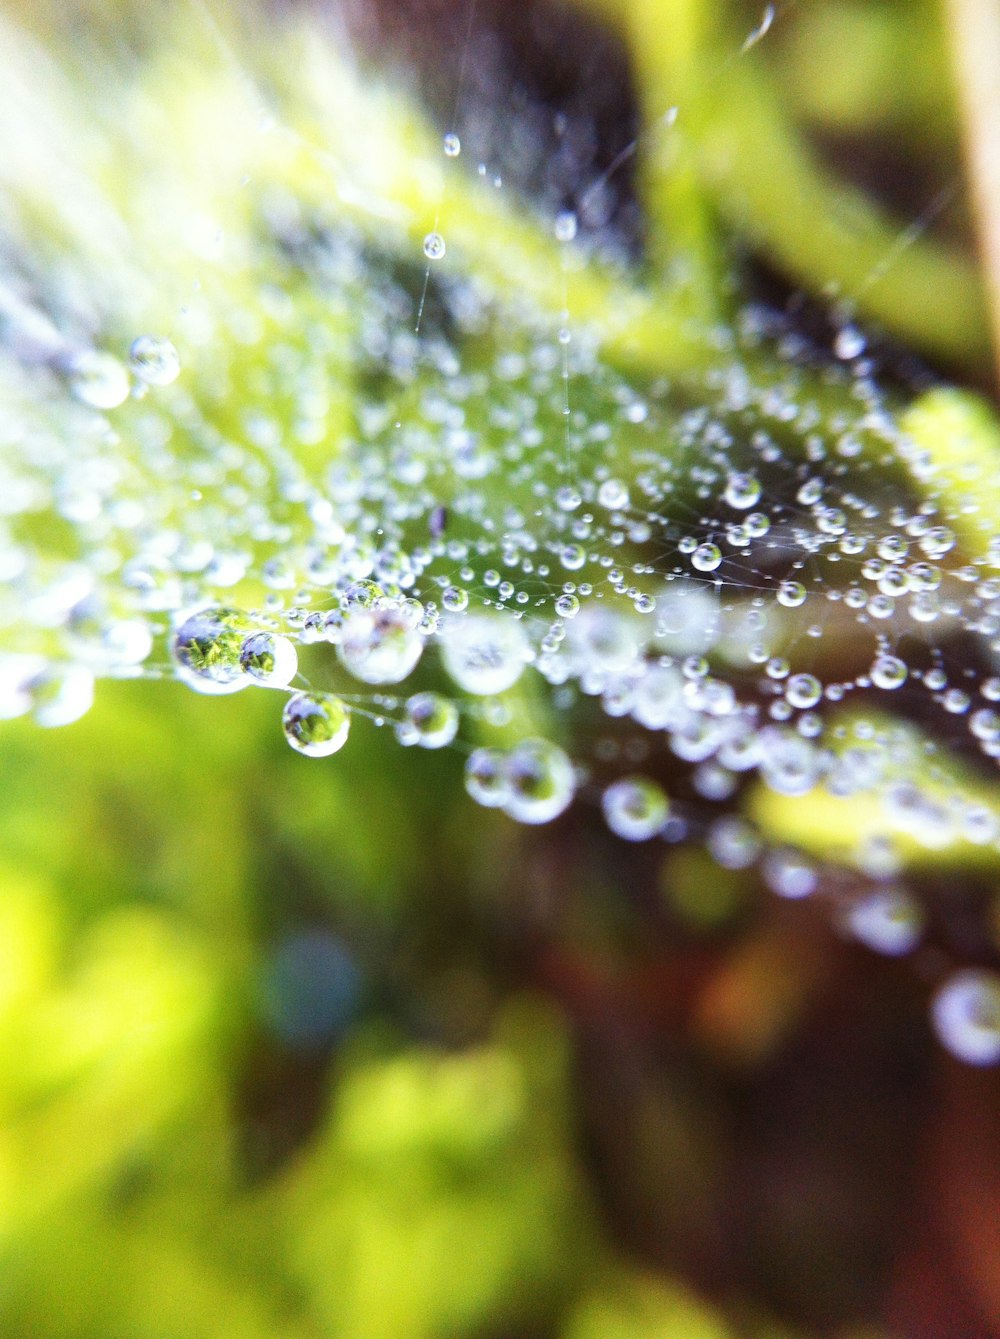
[791, 594]
[706, 557]
[269, 658]
[429, 719]
[434, 247]
[316, 724]
[486, 778]
[966, 1016]
[483, 653]
[635, 808]
[61, 694]
[379, 645]
[154, 360]
[540, 781]
[99, 379]
[803, 690]
[888, 920]
[888, 672]
[742, 491]
[207, 648]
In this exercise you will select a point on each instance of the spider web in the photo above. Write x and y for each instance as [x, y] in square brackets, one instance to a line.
[271, 423]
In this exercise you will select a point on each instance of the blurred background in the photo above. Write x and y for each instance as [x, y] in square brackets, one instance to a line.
[303, 1050]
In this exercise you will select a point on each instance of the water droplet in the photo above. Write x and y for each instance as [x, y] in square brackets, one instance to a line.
[61, 694]
[888, 672]
[540, 781]
[207, 648]
[791, 594]
[849, 343]
[635, 808]
[742, 491]
[269, 658]
[379, 645]
[154, 360]
[613, 494]
[733, 843]
[789, 764]
[966, 1016]
[565, 226]
[430, 720]
[100, 380]
[316, 724]
[803, 690]
[362, 594]
[887, 920]
[434, 247]
[706, 557]
[484, 654]
[455, 599]
[486, 778]
[452, 145]
[789, 874]
[568, 498]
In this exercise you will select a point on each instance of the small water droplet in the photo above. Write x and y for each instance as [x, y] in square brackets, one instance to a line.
[434, 246]
[565, 226]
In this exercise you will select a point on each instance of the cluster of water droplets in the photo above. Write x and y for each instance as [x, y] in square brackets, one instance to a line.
[707, 589]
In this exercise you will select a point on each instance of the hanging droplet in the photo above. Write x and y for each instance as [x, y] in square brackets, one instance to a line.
[966, 1016]
[316, 724]
[154, 360]
[791, 594]
[61, 694]
[803, 690]
[849, 343]
[207, 648]
[613, 494]
[486, 778]
[484, 654]
[434, 247]
[565, 226]
[99, 379]
[888, 920]
[379, 645]
[429, 719]
[706, 557]
[269, 658]
[540, 781]
[635, 808]
[888, 672]
[742, 491]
